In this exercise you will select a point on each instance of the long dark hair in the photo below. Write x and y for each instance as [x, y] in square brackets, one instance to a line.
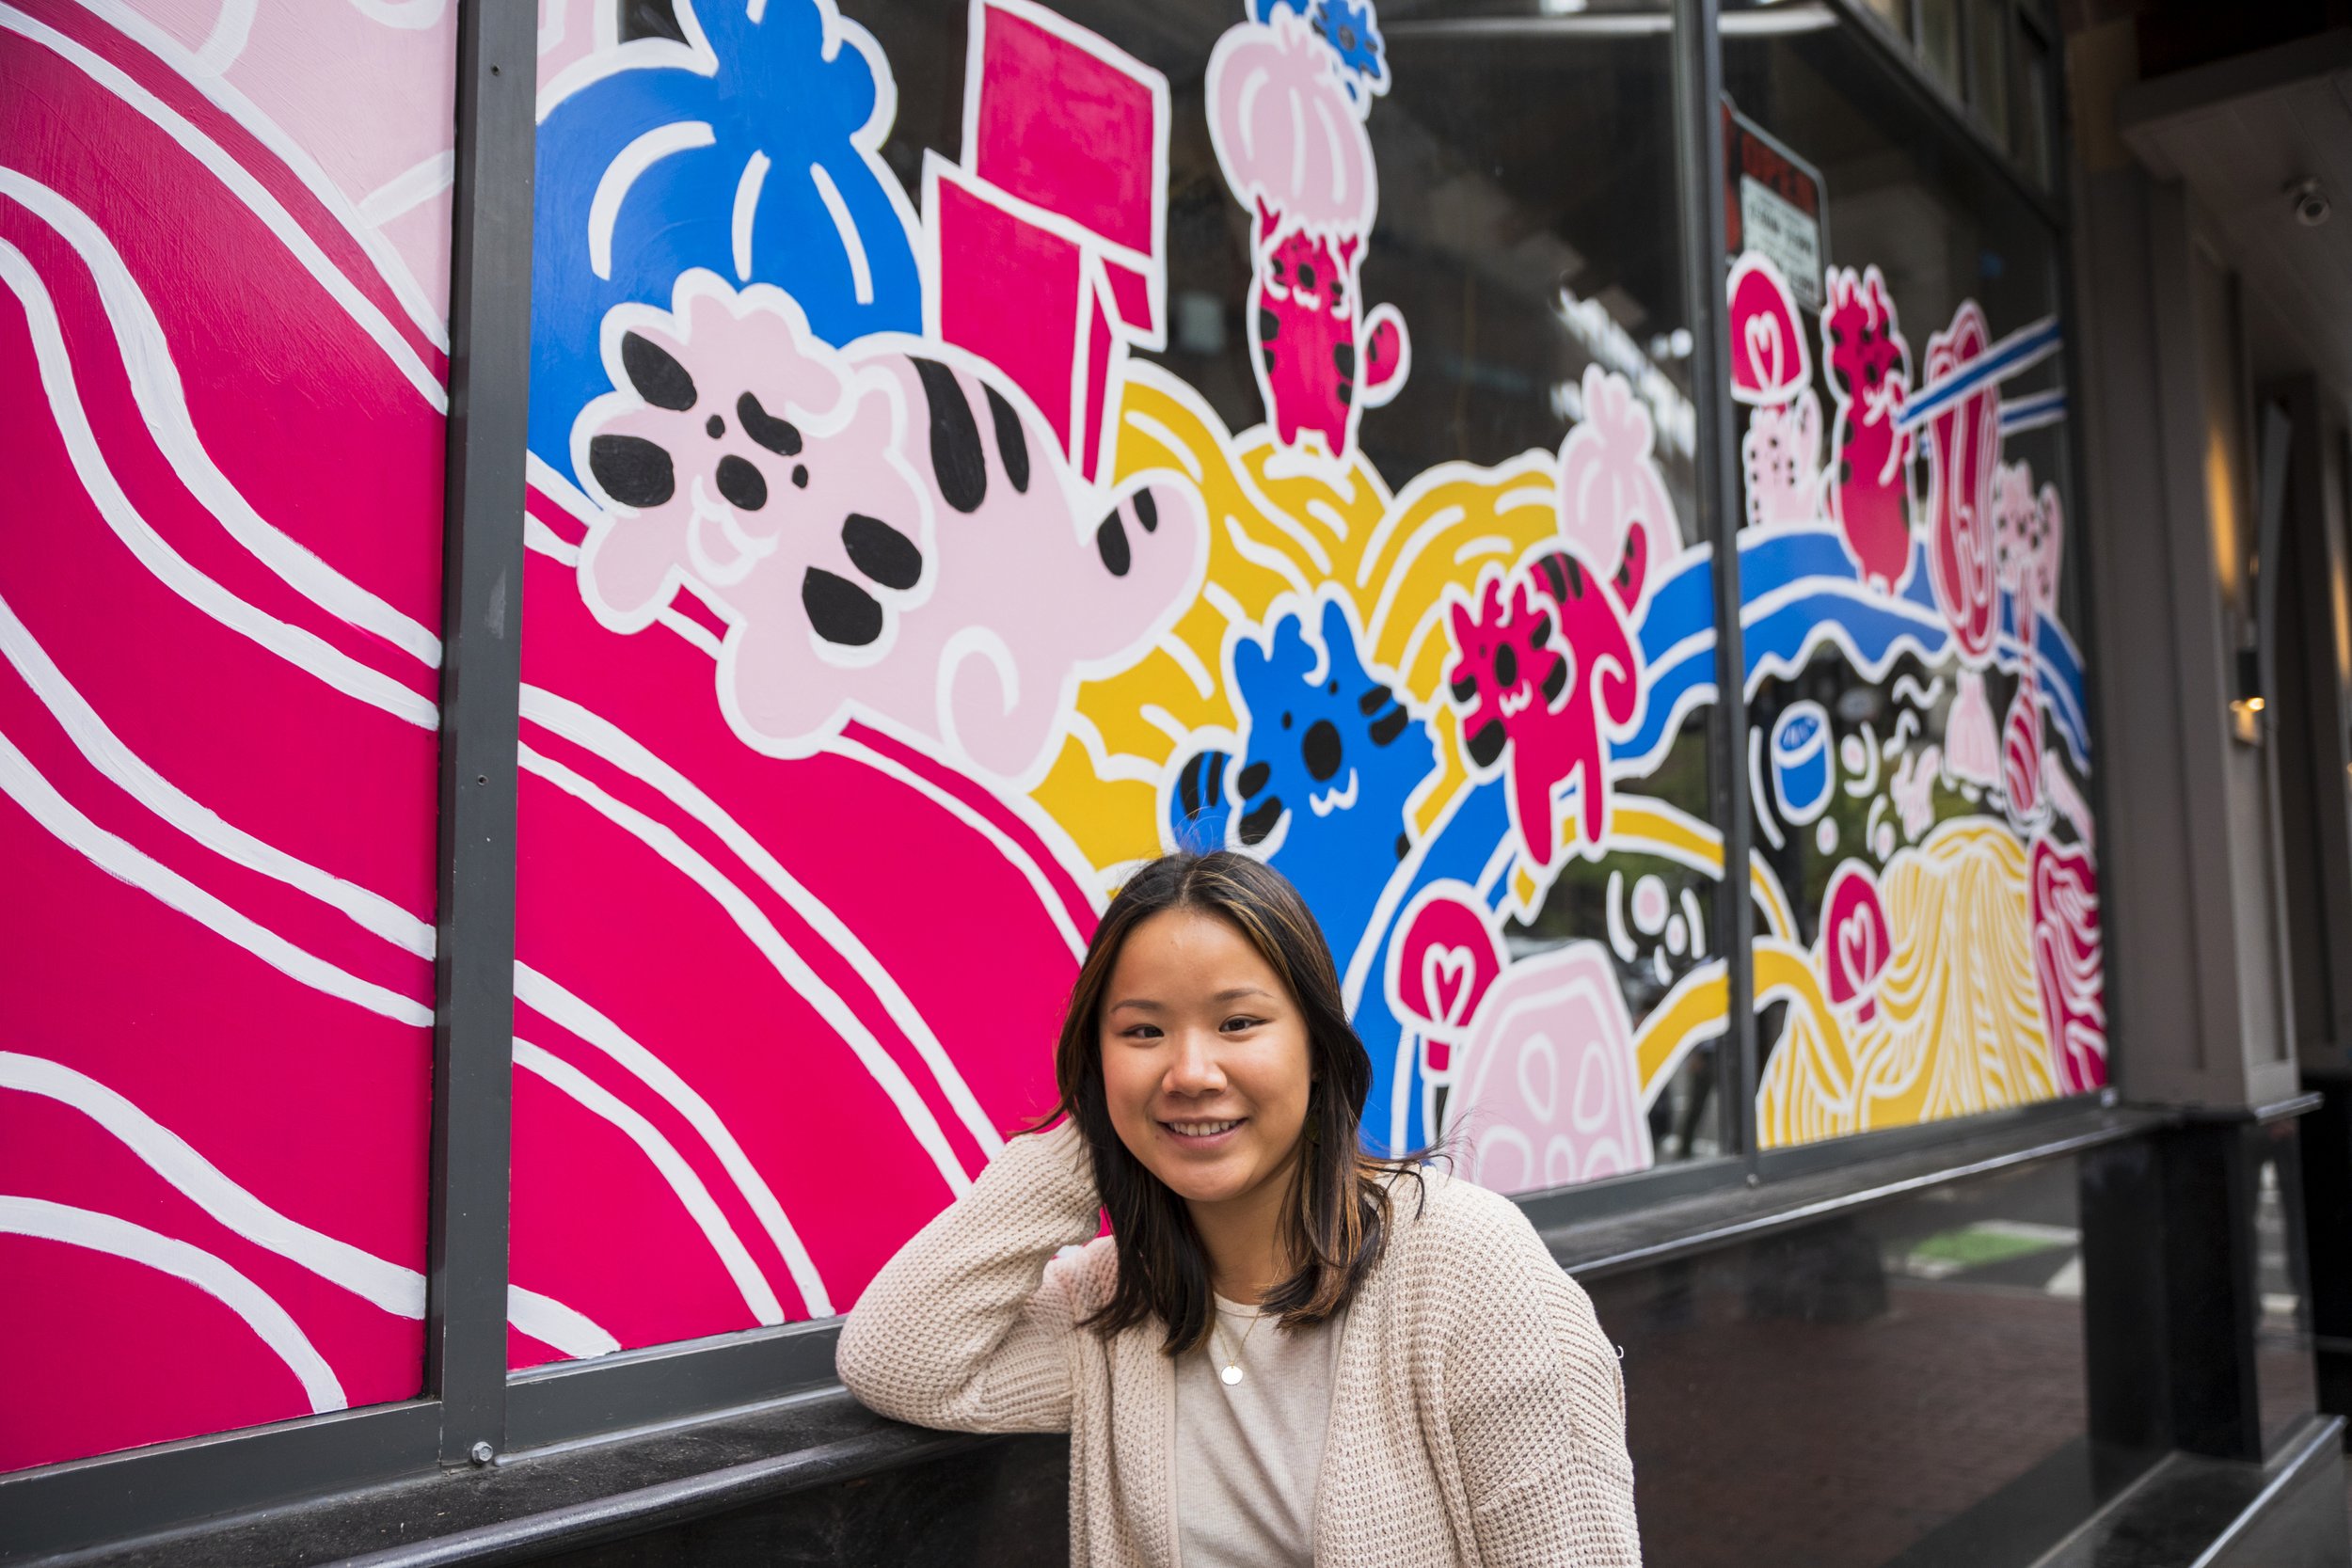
[1339, 1215]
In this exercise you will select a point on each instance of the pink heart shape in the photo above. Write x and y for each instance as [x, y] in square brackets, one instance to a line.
[1764, 348]
[1858, 947]
[1445, 970]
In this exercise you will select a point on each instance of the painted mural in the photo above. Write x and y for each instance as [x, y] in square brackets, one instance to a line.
[224, 238]
[1936, 948]
[888, 599]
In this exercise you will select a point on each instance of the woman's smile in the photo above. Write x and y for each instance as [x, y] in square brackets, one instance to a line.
[1204, 1134]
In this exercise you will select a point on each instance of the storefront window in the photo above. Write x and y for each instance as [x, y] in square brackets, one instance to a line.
[222, 323]
[1918, 754]
[1268, 430]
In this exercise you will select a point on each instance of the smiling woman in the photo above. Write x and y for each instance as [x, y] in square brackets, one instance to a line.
[1430, 1387]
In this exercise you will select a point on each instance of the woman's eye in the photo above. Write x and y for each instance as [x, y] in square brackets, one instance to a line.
[1243, 1022]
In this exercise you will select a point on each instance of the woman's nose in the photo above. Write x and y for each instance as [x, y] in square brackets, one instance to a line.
[1195, 1070]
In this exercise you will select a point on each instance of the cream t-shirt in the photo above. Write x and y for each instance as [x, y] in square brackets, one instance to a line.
[1249, 1454]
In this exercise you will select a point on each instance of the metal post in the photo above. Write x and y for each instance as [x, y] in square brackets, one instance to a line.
[481, 685]
[1699, 155]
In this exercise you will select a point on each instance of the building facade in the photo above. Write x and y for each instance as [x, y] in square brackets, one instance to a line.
[1775, 574]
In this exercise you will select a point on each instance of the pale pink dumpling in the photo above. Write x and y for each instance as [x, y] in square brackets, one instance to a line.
[1549, 1092]
[1285, 128]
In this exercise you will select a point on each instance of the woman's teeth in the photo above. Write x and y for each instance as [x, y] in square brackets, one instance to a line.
[1201, 1129]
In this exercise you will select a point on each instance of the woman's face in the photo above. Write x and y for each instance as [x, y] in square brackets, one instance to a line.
[1204, 1058]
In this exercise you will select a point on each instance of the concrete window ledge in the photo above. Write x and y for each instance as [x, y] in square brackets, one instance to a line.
[571, 1496]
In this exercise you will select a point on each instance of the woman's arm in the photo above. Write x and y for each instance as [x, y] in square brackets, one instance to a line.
[968, 1327]
[1536, 1406]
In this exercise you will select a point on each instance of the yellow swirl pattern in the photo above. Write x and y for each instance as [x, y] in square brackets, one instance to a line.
[1275, 530]
[1958, 1026]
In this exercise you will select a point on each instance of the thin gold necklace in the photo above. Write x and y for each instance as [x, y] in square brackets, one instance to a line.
[1231, 1373]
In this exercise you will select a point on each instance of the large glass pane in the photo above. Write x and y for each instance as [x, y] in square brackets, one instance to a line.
[974, 449]
[1920, 1368]
[224, 257]
[1988, 27]
[1929, 939]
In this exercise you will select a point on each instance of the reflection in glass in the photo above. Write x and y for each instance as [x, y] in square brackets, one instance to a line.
[1939, 41]
[2034, 149]
[1918, 761]
[1913, 1371]
[1988, 65]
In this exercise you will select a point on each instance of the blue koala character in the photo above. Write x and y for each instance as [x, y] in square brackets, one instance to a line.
[1329, 757]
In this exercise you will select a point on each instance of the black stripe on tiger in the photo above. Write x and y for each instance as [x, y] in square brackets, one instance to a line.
[957, 461]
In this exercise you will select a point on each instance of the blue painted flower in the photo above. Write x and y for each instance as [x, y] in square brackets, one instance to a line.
[751, 149]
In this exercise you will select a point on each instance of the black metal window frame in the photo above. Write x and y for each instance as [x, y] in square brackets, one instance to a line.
[473, 1410]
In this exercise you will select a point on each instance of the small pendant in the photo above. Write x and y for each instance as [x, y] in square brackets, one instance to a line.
[1229, 1376]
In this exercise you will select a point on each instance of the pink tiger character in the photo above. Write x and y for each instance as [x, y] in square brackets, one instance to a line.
[1539, 664]
[1869, 373]
[1319, 360]
[1965, 436]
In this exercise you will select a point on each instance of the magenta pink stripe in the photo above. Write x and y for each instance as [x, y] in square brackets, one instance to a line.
[189, 101]
[126, 1356]
[596, 1227]
[984, 801]
[683, 1137]
[866, 845]
[154, 483]
[600, 915]
[50, 1151]
[828, 964]
[297, 1093]
[559, 519]
[295, 403]
[344, 786]
[317, 928]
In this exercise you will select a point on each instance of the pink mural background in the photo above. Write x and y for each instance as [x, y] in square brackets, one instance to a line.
[221, 359]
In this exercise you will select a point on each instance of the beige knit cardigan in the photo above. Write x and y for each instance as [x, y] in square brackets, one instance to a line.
[1477, 1416]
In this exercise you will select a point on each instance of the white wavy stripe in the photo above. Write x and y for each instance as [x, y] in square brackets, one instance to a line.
[593, 732]
[396, 1289]
[256, 199]
[303, 649]
[568, 1012]
[232, 29]
[206, 71]
[270, 1322]
[1049, 899]
[549, 1322]
[107, 753]
[746, 208]
[409, 15]
[794, 969]
[163, 402]
[411, 188]
[125, 862]
[852, 243]
[708, 1218]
